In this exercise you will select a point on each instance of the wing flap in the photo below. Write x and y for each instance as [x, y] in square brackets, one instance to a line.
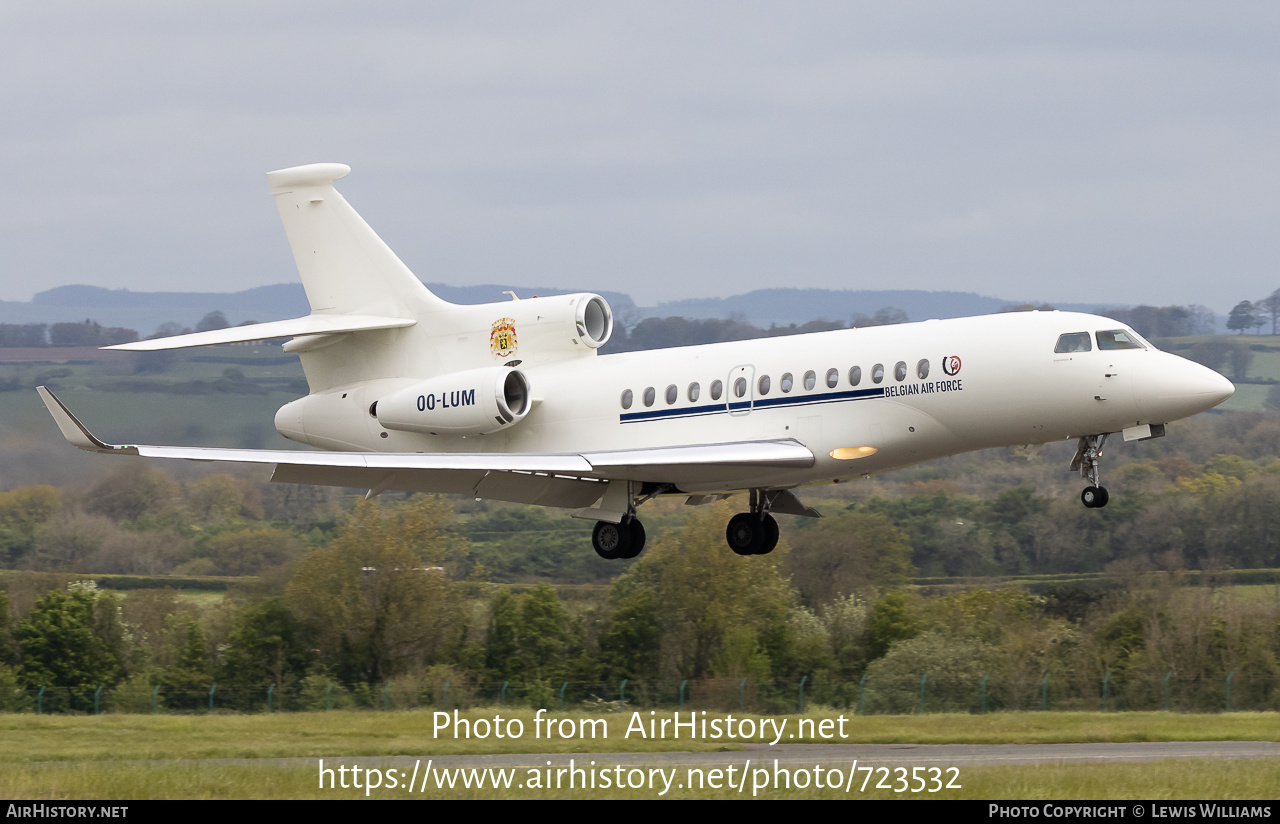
[701, 464]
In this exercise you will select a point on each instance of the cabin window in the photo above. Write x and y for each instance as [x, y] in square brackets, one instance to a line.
[694, 391]
[1118, 339]
[877, 373]
[900, 371]
[855, 376]
[1073, 342]
[672, 393]
[786, 383]
[740, 387]
[717, 389]
[627, 399]
[649, 395]
[833, 377]
[922, 369]
[764, 384]
[810, 379]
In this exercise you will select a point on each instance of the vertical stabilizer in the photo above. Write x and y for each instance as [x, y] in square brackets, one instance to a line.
[345, 267]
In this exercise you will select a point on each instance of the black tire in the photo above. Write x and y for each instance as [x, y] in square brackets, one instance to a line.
[770, 535]
[745, 534]
[611, 541]
[1095, 497]
[636, 540]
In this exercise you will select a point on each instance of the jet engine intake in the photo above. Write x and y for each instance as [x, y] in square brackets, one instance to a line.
[474, 402]
[594, 321]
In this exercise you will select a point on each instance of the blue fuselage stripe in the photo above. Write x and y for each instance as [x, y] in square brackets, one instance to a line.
[743, 406]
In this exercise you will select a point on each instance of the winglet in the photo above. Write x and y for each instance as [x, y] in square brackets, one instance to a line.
[74, 431]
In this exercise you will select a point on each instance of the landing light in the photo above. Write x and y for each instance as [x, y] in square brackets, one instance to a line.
[848, 453]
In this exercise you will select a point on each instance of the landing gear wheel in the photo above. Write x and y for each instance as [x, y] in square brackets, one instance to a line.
[1095, 497]
[770, 535]
[636, 539]
[746, 534]
[1087, 458]
[611, 541]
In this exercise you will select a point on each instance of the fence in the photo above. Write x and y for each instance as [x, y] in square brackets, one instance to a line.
[925, 693]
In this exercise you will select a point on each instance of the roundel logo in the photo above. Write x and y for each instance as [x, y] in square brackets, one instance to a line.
[951, 364]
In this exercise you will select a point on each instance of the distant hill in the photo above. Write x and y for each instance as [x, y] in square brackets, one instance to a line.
[145, 311]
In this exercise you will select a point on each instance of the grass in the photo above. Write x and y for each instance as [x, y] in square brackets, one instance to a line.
[135, 757]
[1251, 593]
[30, 738]
[148, 417]
[1249, 397]
[1265, 364]
[1193, 779]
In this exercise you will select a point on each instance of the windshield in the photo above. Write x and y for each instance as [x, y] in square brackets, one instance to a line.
[1119, 339]
[1073, 342]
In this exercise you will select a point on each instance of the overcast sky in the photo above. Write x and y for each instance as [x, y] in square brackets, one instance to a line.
[1109, 152]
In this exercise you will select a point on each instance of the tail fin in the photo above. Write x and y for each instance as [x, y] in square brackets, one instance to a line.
[345, 267]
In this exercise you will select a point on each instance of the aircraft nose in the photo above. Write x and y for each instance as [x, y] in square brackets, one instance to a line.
[1213, 387]
[1175, 388]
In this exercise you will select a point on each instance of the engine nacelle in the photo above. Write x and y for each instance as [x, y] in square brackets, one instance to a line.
[549, 327]
[593, 321]
[474, 402]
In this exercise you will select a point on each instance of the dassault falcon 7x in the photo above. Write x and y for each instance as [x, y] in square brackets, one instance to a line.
[511, 401]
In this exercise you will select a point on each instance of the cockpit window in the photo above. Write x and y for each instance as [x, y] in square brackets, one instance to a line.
[1118, 339]
[1074, 342]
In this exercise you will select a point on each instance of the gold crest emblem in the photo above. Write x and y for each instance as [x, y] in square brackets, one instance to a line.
[502, 340]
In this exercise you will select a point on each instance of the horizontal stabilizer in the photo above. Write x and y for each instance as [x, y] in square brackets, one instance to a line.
[295, 327]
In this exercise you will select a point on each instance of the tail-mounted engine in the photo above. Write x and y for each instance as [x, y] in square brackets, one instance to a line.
[593, 323]
[550, 328]
[532, 331]
[474, 402]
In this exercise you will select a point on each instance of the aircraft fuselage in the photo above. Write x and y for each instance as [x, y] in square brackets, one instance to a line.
[897, 394]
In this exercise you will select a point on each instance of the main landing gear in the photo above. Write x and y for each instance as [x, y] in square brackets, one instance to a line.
[754, 532]
[1088, 453]
[618, 541]
[625, 539]
[748, 533]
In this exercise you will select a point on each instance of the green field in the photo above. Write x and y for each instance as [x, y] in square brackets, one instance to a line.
[103, 757]
[111, 737]
[1192, 779]
[1249, 397]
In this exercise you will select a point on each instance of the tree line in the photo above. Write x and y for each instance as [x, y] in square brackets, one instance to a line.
[382, 612]
[1200, 498]
[87, 333]
[1247, 315]
[406, 600]
[91, 333]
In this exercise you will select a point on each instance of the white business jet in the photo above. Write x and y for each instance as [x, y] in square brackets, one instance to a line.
[510, 401]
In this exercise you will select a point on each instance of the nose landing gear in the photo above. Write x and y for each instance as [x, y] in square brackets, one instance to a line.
[1087, 457]
[1095, 496]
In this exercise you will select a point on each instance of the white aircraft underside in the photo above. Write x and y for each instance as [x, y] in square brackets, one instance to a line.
[510, 401]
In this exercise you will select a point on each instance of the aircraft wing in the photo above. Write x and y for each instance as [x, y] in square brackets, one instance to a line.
[549, 479]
